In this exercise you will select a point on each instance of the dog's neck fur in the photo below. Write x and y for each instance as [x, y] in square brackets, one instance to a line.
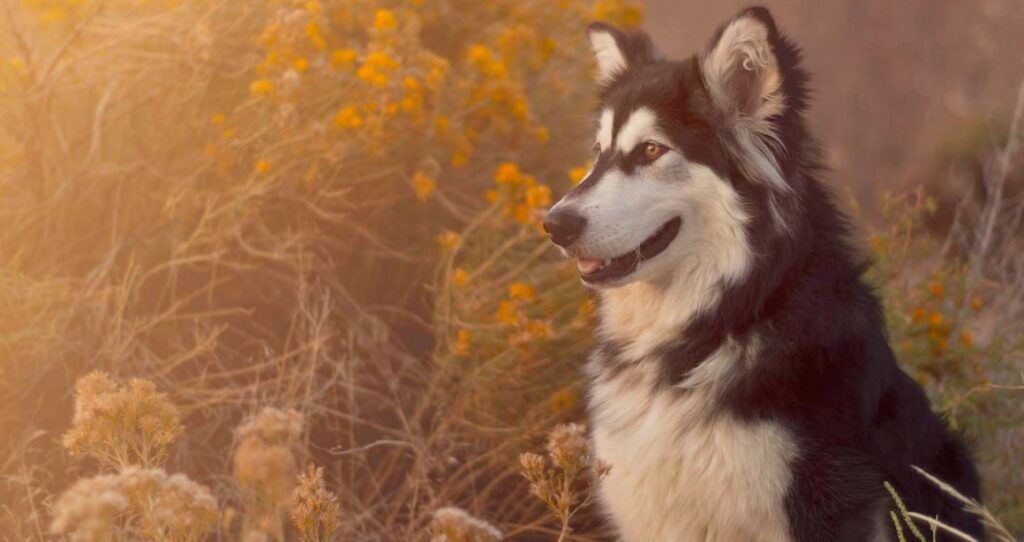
[687, 317]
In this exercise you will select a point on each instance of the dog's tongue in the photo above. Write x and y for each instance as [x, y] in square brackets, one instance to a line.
[587, 266]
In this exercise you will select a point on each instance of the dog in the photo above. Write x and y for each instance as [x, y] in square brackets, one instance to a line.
[742, 386]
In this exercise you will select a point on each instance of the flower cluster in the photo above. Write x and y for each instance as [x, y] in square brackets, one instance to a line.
[315, 511]
[147, 502]
[129, 429]
[121, 425]
[266, 469]
[558, 478]
[523, 199]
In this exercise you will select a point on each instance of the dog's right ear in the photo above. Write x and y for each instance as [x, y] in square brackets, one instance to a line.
[617, 51]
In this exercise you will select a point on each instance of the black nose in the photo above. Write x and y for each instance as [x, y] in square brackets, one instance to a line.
[564, 226]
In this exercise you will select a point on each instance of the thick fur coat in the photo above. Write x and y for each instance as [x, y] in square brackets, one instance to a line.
[743, 387]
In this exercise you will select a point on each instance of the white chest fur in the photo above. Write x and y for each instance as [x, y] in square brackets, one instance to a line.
[680, 470]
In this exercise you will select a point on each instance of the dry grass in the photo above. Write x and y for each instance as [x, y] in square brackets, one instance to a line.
[309, 230]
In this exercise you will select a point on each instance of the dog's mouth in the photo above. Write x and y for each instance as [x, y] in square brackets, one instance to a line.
[603, 271]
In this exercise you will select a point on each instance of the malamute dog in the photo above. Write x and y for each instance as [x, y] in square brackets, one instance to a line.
[743, 388]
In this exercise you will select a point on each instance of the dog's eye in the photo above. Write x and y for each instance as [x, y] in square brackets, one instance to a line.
[653, 150]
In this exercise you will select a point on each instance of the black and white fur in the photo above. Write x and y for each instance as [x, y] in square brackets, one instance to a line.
[743, 388]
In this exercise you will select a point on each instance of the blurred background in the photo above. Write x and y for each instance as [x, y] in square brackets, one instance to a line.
[273, 269]
[892, 81]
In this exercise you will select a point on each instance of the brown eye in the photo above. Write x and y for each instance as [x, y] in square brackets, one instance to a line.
[653, 150]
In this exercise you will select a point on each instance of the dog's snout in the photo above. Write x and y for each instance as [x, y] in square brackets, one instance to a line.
[564, 226]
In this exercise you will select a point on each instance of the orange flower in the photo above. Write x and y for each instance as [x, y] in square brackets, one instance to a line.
[507, 313]
[966, 339]
[918, 314]
[521, 290]
[577, 174]
[261, 87]
[508, 173]
[562, 400]
[460, 277]
[449, 239]
[424, 185]
[936, 289]
[463, 343]
[385, 20]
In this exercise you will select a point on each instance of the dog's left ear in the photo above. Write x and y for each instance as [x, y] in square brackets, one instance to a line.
[742, 72]
[617, 51]
[741, 68]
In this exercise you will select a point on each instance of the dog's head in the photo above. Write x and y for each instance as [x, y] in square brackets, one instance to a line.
[690, 155]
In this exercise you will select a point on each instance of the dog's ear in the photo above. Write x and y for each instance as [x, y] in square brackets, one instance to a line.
[741, 69]
[617, 51]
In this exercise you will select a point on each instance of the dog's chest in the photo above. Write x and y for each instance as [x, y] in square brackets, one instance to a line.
[682, 471]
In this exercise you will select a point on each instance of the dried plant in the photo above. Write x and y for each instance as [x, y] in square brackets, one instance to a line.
[452, 524]
[565, 479]
[120, 425]
[143, 503]
[315, 511]
[266, 469]
[89, 509]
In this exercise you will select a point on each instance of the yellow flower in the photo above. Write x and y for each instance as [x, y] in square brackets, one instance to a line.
[219, 119]
[300, 64]
[210, 150]
[538, 196]
[965, 338]
[521, 290]
[370, 74]
[313, 7]
[314, 35]
[539, 329]
[381, 60]
[935, 321]
[52, 15]
[463, 343]
[562, 400]
[459, 159]
[441, 124]
[507, 312]
[343, 58]
[508, 173]
[385, 20]
[460, 277]
[491, 196]
[262, 166]
[423, 184]
[228, 133]
[542, 134]
[976, 304]
[480, 55]
[577, 174]
[348, 117]
[261, 87]
[936, 289]
[448, 239]
[520, 109]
